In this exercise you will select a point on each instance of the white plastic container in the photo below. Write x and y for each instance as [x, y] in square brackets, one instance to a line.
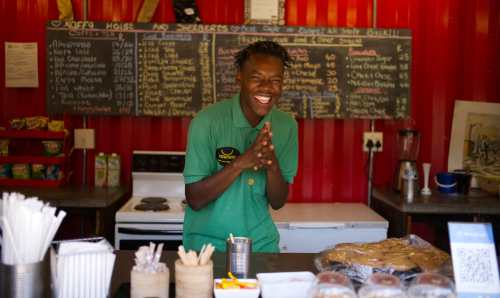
[329, 284]
[285, 284]
[237, 293]
[382, 285]
[431, 285]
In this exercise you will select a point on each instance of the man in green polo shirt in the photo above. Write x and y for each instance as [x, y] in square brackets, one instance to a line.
[241, 156]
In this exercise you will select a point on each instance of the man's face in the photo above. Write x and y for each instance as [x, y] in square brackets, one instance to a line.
[261, 81]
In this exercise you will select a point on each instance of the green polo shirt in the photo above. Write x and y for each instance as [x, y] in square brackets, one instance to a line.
[216, 135]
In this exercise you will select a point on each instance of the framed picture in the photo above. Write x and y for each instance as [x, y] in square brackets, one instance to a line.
[265, 12]
[475, 138]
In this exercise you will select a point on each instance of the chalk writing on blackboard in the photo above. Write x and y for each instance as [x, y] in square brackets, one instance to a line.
[177, 69]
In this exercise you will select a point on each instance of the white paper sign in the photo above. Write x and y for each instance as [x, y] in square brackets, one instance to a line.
[264, 9]
[268, 12]
[21, 64]
[475, 266]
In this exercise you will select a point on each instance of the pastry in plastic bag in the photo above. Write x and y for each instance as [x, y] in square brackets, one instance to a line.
[404, 257]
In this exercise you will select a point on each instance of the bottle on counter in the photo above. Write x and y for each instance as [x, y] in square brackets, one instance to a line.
[100, 170]
[114, 167]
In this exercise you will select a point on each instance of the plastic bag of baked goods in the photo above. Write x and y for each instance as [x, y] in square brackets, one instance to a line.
[403, 257]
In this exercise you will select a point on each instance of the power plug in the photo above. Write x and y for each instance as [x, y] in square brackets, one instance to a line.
[373, 140]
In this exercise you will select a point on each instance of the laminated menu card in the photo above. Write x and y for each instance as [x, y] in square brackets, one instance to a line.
[475, 265]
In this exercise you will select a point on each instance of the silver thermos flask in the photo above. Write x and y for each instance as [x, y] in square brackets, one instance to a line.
[410, 186]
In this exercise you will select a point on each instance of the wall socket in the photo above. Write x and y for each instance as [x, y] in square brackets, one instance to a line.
[376, 138]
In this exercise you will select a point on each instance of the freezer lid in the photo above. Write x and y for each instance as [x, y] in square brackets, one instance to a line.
[327, 215]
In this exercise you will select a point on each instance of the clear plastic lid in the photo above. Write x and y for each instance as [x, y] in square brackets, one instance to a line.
[383, 279]
[330, 284]
[431, 285]
[382, 285]
[369, 291]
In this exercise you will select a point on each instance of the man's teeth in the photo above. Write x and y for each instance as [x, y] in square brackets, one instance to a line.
[263, 99]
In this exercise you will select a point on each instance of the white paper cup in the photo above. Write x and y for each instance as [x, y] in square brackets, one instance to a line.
[194, 281]
[149, 284]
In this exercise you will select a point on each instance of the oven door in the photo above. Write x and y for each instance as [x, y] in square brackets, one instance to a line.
[131, 236]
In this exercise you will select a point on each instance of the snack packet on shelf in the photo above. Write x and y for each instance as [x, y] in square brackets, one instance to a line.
[56, 125]
[21, 171]
[5, 171]
[37, 122]
[52, 148]
[4, 147]
[38, 171]
[18, 123]
[53, 172]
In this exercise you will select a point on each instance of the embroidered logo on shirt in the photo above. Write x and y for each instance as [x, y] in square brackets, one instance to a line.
[225, 155]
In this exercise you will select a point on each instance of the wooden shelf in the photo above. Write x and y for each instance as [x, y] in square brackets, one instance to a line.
[51, 160]
[32, 134]
[32, 182]
[26, 143]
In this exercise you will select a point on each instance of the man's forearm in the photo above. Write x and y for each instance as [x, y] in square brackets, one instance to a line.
[277, 187]
[200, 193]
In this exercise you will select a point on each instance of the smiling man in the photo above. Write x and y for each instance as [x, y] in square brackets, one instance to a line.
[241, 157]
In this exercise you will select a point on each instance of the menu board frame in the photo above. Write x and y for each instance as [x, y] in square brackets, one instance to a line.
[339, 73]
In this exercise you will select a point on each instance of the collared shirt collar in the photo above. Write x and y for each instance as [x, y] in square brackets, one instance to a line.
[239, 119]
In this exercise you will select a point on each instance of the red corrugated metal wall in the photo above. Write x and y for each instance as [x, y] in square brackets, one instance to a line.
[455, 56]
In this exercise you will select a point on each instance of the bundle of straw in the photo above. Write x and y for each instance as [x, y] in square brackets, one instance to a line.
[28, 227]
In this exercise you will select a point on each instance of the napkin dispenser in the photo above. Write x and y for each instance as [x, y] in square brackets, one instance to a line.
[82, 266]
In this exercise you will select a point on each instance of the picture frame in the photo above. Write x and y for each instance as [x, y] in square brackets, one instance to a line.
[475, 139]
[265, 12]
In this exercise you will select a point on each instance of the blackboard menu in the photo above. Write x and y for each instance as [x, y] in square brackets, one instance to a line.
[177, 69]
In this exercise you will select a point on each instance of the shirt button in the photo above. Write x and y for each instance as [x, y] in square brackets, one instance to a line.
[251, 181]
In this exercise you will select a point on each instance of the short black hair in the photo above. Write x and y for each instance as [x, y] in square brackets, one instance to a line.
[262, 47]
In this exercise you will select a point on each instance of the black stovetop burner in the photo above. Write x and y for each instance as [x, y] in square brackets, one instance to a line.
[153, 204]
[154, 200]
[151, 207]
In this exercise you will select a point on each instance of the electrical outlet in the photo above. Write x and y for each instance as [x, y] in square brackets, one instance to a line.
[377, 141]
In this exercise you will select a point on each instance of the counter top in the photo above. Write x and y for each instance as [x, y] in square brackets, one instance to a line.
[97, 203]
[332, 213]
[476, 202]
[260, 262]
[69, 196]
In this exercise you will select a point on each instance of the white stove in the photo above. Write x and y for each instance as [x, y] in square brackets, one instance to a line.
[155, 212]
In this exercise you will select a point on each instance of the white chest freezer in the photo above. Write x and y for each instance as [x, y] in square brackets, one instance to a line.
[311, 228]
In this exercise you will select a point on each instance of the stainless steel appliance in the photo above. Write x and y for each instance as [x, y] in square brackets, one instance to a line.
[155, 212]
[408, 143]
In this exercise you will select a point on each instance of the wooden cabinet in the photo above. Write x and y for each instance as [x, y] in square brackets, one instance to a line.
[26, 147]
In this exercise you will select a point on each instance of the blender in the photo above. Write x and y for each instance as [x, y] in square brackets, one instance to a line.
[408, 145]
